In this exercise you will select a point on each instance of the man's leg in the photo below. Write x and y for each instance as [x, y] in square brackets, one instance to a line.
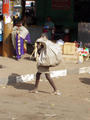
[36, 83]
[37, 79]
[50, 81]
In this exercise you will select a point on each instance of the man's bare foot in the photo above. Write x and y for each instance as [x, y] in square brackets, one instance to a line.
[34, 91]
[56, 92]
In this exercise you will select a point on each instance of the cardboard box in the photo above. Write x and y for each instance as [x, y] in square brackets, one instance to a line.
[69, 48]
[70, 58]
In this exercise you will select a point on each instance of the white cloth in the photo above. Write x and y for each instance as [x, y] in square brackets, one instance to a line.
[60, 42]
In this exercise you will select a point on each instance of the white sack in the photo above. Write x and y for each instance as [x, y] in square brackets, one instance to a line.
[50, 55]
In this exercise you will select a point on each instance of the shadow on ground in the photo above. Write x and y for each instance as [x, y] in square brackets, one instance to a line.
[85, 80]
[30, 59]
[13, 82]
[1, 66]
[24, 86]
[12, 79]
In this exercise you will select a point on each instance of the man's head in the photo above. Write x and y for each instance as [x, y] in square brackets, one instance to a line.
[16, 16]
[48, 18]
[44, 35]
[18, 22]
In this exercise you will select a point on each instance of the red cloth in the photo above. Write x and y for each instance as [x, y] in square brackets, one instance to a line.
[5, 9]
[45, 30]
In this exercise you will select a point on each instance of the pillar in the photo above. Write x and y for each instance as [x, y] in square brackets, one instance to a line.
[7, 42]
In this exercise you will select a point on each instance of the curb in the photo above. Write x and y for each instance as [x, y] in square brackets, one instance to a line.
[53, 74]
[31, 77]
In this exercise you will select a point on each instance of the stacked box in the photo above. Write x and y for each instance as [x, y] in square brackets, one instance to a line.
[69, 48]
[70, 58]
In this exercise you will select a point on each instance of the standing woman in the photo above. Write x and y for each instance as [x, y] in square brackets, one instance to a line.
[20, 35]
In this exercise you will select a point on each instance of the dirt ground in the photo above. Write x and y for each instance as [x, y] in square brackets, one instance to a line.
[17, 103]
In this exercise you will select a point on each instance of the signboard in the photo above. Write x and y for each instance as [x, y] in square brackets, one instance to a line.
[11, 4]
[5, 6]
[17, 2]
[28, 3]
[11, 7]
[61, 4]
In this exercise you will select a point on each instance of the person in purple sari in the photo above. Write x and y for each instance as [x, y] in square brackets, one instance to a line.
[20, 35]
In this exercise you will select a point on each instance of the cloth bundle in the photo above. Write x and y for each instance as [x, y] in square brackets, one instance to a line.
[50, 55]
[22, 31]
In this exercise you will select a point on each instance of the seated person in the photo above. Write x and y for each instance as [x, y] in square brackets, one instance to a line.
[49, 28]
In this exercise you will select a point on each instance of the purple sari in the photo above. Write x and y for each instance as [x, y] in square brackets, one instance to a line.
[20, 45]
